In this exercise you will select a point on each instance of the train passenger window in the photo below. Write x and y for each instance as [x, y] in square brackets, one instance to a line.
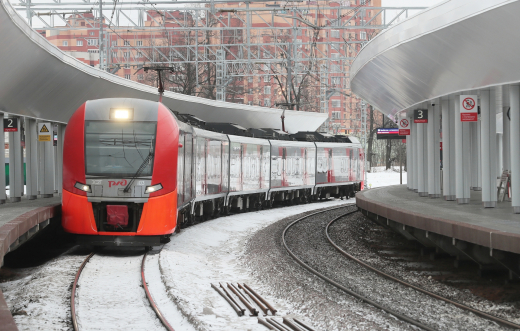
[119, 148]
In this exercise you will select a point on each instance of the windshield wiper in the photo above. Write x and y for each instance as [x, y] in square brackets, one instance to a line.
[138, 172]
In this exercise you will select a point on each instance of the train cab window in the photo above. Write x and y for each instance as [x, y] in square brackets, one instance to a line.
[119, 148]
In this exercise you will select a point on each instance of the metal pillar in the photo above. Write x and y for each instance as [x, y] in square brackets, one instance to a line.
[2, 161]
[415, 159]
[453, 182]
[434, 155]
[506, 136]
[15, 164]
[59, 157]
[448, 174]
[46, 169]
[475, 164]
[462, 157]
[422, 166]
[488, 143]
[514, 99]
[409, 158]
[31, 158]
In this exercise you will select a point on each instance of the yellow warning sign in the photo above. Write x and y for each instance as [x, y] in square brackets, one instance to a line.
[44, 128]
[44, 138]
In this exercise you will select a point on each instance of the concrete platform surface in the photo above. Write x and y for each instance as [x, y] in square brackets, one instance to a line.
[18, 222]
[496, 228]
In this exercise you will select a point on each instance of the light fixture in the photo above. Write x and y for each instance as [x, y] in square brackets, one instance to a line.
[83, 187]
[121, 114]
[153, 188]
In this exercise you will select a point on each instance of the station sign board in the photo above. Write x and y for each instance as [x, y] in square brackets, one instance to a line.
[44, 131]
[388, 133]
[404, 127]
[468, 108]
[10, 124]
[420, 116]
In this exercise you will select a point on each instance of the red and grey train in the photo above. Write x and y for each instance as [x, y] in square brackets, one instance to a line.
[133, 173]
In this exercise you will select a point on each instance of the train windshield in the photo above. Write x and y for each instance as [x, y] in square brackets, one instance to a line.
[119, 149]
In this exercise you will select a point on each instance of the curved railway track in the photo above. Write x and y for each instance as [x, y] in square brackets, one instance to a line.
[383, 274]
[143, 282]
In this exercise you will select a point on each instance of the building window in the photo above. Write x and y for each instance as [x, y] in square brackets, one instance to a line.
[335, 33]
[336, 81]
[114, 43]
[127, 43]
[79, 42]
[250, 103]
[114, 54]
[127, 76]
[250, 91]
[250, 79]
[140, 77]
[139, 43]
[334, 56]
[267, 79]
[127, 66]
[267, 90]
[65, 43]
[362, 35]
[336, 115]
[267, 102]
[336, 103]
[126, 54]
[92, 42]
[91, 33]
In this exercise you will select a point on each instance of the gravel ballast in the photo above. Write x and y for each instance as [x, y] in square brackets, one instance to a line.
[332, 309]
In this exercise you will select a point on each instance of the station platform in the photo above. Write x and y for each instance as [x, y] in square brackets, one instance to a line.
[487, 236]
[19, 221]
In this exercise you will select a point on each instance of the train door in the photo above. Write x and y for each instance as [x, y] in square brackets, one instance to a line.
[225, 166]
[265, 166]
[200, 164]
[235, 167]
[188, 167]
[213, 166]
[180, 170]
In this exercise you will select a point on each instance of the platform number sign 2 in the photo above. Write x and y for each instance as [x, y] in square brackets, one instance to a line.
[420, 116]
[10, 124]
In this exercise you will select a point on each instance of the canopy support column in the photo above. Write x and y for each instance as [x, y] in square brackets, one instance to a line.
[422, 166]
[462, 157]
[488, 143]
[415, 154]
[409, 158]
[2, 161]
[514, 96]
[31, 158]
[16, 164]
[434, 153]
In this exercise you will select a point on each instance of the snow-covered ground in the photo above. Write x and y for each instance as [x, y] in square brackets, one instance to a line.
[380, 177]
[179, 278]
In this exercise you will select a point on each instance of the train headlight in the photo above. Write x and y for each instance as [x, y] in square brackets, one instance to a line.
[153, 188]
[121, 114]
[83, 187]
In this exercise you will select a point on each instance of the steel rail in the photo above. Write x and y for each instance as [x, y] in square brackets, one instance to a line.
[343, 288]
[73, 293]
[150, 299]
[436, 296]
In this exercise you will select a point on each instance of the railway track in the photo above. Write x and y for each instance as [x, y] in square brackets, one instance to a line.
[144, 284]
[364, 298]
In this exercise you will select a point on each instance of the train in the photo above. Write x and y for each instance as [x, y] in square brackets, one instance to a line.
[135, 172]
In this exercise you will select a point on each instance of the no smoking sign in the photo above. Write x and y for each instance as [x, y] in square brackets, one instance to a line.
[468, 108]
[404, 127]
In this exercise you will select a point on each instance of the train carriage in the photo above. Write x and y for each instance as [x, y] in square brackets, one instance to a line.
[248, 172]
[292, 170]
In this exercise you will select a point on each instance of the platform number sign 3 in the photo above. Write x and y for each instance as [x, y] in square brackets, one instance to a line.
[420, 116]
[10, 124]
